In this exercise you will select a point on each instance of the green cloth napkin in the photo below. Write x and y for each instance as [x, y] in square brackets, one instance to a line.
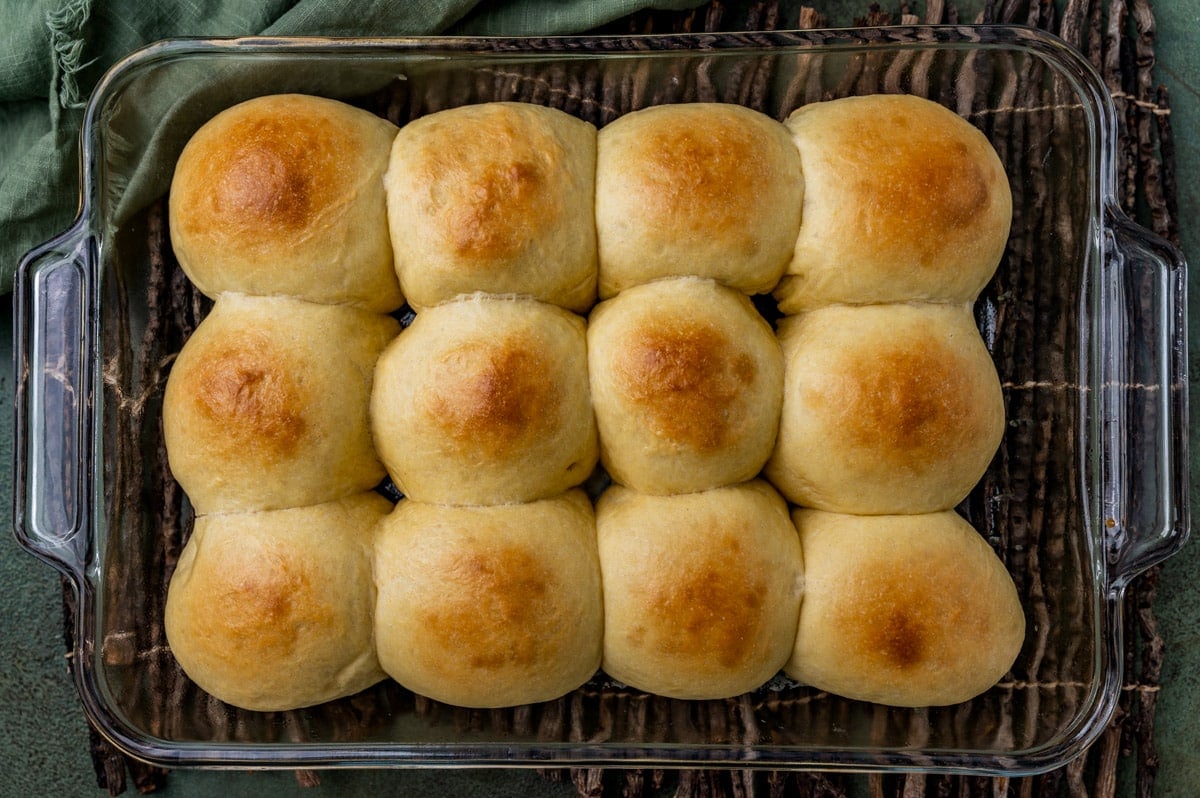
[52, 53]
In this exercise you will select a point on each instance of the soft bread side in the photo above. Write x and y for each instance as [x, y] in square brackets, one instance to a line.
[701, 590]
[904, 201]
[266, 405]
[687, 383]
[283, 196]
[905, 610]
[489, 606]
[273, 610]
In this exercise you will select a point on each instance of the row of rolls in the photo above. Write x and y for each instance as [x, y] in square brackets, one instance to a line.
[781, 497]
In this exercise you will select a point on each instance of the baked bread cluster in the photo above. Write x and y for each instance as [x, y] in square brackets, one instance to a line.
[697, 207]
[298, 395]
[487, 571]
[277, 213]
[892, 408]
[586, 298]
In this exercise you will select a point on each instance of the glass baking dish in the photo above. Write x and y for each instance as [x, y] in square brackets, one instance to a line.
[1085, 319]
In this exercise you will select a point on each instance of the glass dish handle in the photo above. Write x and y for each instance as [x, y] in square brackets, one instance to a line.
[1147, 514]
[52, 391]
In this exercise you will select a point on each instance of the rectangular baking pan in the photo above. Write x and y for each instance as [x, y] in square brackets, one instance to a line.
[1085, 319]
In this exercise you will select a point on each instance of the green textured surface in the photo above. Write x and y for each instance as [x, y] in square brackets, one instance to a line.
[42, 731]
[1178, 605]
[43, 739]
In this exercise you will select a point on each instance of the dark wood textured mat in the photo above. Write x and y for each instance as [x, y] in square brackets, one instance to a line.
[1117, 36]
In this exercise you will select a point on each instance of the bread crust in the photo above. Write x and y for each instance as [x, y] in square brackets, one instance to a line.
[266, 405]
[485, 400]
[701, 590]
[283, 196]
[886, 409]
[490, 606]
[706, 189]
[904, 201]
[904, 610]
[496, 197]
[273, 610]
[687, 384]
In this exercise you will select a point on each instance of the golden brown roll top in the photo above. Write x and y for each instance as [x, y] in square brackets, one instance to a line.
[273, 610]
[706, 189]
[913, 610]
[485, 400]
[283, 196]
[496, 197]
[266, 405]
[687, 382]
[701, 590]
[904, 201]
[490, 606]
[886, 409]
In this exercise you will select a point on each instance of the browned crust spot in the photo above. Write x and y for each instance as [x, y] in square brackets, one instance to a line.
[262, 611]
[712, 610]
[496, 609]
[487, 223]
[706, 178]
[492, 184]
[689, 380]
[249, 398]
[904, 405]
[273, 175]
[900, 622]
[494, 397]
[921, 183]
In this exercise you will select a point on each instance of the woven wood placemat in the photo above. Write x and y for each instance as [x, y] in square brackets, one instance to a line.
[1118, 37]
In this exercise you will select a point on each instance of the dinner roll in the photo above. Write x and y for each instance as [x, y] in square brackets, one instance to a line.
[272, 610]
[283, 195]
[912, 610]
[886, 409]
[496, 197]
[489, 606]
[701, 590]
[709, 189]
[485, 400]
[904, 200]
[687, 382]
[266, 405]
